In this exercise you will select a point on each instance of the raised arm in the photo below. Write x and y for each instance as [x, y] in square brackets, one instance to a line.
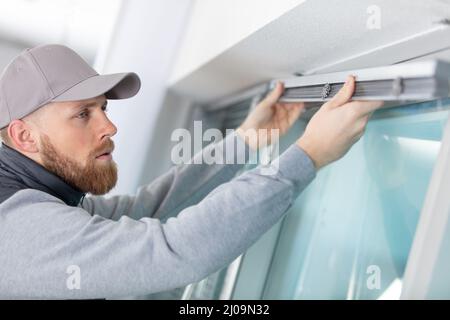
[187, 184]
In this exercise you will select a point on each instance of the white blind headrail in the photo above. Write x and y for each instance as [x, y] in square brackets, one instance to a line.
[401, 82]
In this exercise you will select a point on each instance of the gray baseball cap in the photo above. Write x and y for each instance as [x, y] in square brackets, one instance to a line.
[51, 73]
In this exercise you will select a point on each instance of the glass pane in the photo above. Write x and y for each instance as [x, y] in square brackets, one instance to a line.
[349, 234]
[228, 117]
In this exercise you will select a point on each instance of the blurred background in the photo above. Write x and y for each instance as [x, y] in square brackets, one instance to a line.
[144, 36]
[113, 36]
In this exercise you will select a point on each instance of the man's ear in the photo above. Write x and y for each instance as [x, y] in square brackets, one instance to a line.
[22, 136]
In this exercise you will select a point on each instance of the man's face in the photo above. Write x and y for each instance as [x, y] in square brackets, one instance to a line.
[75, 144]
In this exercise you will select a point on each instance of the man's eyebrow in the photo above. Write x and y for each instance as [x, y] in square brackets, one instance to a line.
[92, 104]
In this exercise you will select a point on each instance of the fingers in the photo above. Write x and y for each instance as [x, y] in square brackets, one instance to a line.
[274, 95]
[290, 111]
[294, 112]
[365, 111]
[344, 95]
[294, 106]
[365, 108]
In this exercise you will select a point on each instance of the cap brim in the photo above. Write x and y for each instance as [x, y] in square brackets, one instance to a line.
[113, 86]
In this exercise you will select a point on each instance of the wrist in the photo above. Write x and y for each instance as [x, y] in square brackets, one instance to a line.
[310, 150]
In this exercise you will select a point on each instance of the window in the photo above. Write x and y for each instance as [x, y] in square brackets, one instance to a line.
[223, 116]
[349, 234]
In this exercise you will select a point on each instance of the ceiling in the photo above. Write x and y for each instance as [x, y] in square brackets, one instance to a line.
[323, 36]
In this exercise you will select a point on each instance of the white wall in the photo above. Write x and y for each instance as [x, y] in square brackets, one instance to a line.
[78, 24]
[144, 41]
[215, 26]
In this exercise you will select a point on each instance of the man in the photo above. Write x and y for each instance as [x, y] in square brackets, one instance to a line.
[57, 147]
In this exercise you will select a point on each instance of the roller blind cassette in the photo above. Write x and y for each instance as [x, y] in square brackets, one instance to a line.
[422, 80]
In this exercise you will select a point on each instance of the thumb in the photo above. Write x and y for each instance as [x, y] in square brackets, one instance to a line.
[273, 96]
[344, 95]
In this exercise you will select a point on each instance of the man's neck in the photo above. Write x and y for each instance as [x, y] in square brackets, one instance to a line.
[18, 172]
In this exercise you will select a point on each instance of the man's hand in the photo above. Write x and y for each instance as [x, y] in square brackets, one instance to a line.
[269, 114]
[336, 126]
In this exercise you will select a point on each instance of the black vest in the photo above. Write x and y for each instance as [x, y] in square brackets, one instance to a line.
[18, 172]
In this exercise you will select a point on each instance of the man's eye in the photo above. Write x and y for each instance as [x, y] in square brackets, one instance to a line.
[105, 109]
[83, 115]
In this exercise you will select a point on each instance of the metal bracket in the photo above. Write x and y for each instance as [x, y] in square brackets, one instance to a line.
[397, 86]
[326, 91]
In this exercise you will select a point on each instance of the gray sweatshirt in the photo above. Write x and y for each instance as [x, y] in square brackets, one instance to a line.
[187, 224]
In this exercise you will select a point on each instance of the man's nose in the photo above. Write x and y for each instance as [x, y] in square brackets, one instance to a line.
[108, 128]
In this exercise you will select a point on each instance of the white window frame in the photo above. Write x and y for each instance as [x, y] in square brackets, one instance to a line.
[431, 228]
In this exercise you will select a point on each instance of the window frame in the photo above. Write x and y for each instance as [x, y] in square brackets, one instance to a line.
[431, 227]
[421, 261]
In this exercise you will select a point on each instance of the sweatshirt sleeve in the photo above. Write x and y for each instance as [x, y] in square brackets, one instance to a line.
[182, 186]
[41, 239]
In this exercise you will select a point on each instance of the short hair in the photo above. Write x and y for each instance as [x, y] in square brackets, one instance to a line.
[5, 137]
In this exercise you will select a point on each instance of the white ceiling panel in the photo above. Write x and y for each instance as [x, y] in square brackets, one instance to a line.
[321, 36]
